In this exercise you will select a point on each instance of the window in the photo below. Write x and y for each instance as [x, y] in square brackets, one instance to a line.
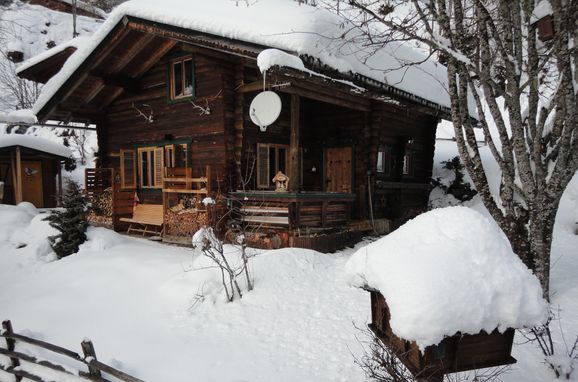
[383, 161]
[181, 78]
[176, 155]
[270, 160]
[127, 169]
[408, 164]
[150, 167]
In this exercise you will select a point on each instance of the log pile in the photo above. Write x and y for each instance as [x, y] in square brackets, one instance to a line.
[101, 212]
[185, 222]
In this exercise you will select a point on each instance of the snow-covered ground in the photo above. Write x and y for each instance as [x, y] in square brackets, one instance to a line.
[138, 301]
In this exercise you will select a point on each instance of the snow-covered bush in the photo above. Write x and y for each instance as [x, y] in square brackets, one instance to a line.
[458, 187]
[71, 222]
[233, 265]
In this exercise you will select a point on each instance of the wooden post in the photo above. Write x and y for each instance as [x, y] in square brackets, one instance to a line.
[11, 345]
[89, 355]
[294, 157]
[18, 185]
[60, 190]
[209, 180]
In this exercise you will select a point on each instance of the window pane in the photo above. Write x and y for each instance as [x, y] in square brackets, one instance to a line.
[188, 76]
[272, 164]
[180, 156]
[144, 169]
[282, 166]
[407, 164]
[177, 79]
[151, 169]
[381, 161]
[262, 166]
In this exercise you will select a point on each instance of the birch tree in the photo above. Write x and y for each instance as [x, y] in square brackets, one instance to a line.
[524, 91]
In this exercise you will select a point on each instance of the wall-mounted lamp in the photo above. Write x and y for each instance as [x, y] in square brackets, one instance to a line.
[313, 169]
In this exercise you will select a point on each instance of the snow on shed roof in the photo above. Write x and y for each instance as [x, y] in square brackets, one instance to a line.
[74, 43]
[282, 24]
[446, 271]
[35, 143]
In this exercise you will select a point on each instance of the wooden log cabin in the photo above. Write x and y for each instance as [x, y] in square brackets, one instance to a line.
[358, 152]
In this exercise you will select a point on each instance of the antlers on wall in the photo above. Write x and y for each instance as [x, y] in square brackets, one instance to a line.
[148, 118]
[206, 110]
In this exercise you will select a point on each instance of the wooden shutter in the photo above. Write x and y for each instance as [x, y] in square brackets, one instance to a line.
[127, 169]
[159, 167]
[262, 166]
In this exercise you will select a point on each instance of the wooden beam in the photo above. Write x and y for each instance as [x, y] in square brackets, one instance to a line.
[18, 185]
[251, 87]
[147, 64]
[110, 99]
[116, 80]
[294, 157]
[92, 93]
[82, 72]
[331, 99]
[129, 54]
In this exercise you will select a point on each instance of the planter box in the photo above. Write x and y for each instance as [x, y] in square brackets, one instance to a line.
[459, 352]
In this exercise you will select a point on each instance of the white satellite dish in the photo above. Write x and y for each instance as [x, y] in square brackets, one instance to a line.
[265, 109]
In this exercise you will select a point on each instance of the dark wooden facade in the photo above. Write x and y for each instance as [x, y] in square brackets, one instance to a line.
[330, 136]
[31, 176]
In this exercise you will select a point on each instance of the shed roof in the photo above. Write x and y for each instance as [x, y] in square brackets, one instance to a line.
[310, 32]
[34, 143]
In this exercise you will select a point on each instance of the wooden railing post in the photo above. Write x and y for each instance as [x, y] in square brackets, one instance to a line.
[11, 345]
[209, 180]
[89, 356]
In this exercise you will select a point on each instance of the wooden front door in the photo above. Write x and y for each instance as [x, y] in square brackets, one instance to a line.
[338, 169]
[32, 183]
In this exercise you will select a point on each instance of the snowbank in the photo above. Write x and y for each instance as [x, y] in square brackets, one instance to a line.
[25, 116]
[449, 270]
[297, 28]
[35, 143]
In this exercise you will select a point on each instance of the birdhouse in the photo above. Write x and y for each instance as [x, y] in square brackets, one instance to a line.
[545, 28]
[281, 182]
[456, 353]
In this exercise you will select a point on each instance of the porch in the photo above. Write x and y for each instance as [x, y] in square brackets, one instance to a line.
[315, 220]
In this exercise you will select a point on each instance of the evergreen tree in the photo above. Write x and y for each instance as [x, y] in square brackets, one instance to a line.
[71, 222]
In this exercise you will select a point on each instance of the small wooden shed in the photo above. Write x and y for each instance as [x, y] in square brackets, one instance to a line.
[460, 352]
[30, 168]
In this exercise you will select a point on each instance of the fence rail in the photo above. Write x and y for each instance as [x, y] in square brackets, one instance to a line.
[95, 368]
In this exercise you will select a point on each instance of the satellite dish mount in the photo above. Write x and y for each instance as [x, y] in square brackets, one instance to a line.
[265, 108]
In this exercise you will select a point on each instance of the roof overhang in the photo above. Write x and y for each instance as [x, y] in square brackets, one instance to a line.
[134, 45]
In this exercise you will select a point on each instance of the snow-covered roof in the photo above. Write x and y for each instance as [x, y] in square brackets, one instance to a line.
[74, 43]
[287, 25]
[446, 271]
[35, 143]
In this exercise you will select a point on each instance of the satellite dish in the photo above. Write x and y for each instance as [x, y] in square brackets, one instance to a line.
[265, 109]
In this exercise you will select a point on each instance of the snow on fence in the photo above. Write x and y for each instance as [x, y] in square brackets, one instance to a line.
[22, 364]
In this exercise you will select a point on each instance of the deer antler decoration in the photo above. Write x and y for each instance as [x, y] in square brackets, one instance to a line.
[206, 110]
[148, 118]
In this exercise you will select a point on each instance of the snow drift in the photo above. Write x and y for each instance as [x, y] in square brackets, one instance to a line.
[449, 270]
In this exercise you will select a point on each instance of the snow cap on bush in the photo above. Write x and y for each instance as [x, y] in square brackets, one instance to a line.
[449, 270]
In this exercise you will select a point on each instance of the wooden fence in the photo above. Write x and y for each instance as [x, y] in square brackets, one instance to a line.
[95, 370]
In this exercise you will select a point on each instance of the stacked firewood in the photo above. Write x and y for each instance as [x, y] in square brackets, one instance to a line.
[102, 203]
[185, 222]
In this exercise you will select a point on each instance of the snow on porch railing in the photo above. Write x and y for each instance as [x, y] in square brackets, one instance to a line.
[25, 366]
